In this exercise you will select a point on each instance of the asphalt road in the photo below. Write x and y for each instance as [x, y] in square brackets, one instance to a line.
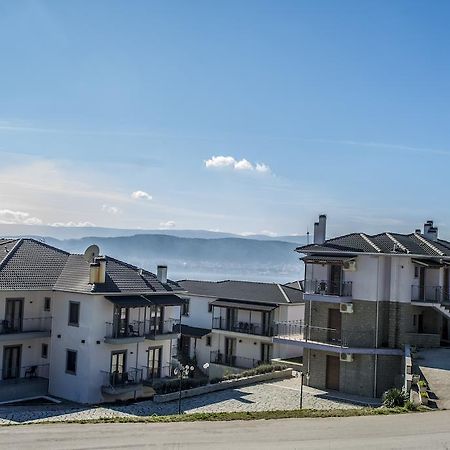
[413, 431]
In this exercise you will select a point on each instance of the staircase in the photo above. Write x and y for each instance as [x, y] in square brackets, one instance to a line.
[442, 309]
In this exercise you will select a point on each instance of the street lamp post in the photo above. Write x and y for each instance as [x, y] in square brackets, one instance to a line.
[301, 389]
[182, 372]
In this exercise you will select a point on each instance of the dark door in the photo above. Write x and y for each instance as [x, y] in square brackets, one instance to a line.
[230, 351]
[185, 348]
[13, 315]
[266, 324]
[154, 362]
[266, 351]
[422, 283]
[333, 369]
[334, 325]
[335, 280]
[11, 362]
[446, 294]
[420, 323]
[156, 319]
[231, 318]
[444, 332]
[118, 367]
[121, 321]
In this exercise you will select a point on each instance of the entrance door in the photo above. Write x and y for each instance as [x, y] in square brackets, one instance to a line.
[335, 284]
[333, 370]
[335, 325]
[11, 362]
[230, 351]
[154, 362]
[118, 367]
[14, 315]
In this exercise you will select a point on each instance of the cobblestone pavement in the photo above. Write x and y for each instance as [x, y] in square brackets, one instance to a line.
[278, 395]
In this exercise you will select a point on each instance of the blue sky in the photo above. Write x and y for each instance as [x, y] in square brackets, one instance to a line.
[343, 107]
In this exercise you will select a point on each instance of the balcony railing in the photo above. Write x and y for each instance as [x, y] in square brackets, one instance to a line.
[151, 374]
[132, 329]
[159, 328]
[117, 379]
[26, 372]
[234, 361]
[221, 323]
[36, 324]
[323, 287]
[429, 294]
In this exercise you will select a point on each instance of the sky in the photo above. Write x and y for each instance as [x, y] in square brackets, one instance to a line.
[243, 117]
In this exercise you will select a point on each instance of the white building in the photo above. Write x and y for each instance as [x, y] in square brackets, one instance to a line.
[82, 327]
[233, 325]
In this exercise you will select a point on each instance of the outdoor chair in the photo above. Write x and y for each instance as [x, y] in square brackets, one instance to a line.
[31, 372]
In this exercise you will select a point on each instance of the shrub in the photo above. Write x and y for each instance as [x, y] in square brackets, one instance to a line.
[394, 398]
[410, 406]
[167, 387]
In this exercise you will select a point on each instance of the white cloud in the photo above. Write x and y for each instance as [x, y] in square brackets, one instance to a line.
[168, 224]
[141, 195]
[7, 216]
[111, 209]
[72, 224]
[229, 162]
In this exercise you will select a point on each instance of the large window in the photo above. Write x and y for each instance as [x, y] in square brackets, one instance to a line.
[71, 362]
[74, 314]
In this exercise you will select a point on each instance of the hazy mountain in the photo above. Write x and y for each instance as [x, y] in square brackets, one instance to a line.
[207, 259]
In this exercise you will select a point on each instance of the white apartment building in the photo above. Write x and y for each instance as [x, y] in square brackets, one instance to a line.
[232, 325]
[84, 328]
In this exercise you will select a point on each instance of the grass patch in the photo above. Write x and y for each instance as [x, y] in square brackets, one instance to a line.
[256, 415]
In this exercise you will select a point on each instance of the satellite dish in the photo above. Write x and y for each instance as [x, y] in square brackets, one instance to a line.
[91, 252]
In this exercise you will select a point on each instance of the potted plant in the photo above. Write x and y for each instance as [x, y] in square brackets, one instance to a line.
[424, 398]
[423, 387]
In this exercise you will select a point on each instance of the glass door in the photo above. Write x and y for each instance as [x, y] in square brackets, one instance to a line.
[230, 350]
[156, 320]
[118, 367]
[335, 280]
[154, 362]
[121, 321]
[11, 362]
[13, 315]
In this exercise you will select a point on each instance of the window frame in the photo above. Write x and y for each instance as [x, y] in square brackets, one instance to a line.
[47, 303]
[44, 354]
[208, 341]
[77, 323]
[70, 372]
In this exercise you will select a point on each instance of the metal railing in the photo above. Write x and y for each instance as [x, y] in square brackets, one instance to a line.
[429, 294]
[324, 287]
[132, 376]
[26, 372]
[151, 374]
[134, 328]
[290, 329]
[158, 328]
[241, 362]
[35, 324]
[221, 323]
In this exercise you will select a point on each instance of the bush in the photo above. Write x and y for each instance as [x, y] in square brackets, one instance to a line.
[167, 387]
[410, 406]
[394, 398]
[264, 368]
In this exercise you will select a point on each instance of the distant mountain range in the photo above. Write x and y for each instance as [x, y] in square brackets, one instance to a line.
[193, 254]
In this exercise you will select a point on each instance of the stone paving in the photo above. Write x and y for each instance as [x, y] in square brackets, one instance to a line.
[278, 395]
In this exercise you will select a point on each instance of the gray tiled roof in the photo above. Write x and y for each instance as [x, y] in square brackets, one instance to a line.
[389, 243]
[243, 291]
[30, 264]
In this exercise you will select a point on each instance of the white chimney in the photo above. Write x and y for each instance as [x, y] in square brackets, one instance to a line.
[93, 272]
[320, 230]
[162, 274]
[430, 231]
[102, 269]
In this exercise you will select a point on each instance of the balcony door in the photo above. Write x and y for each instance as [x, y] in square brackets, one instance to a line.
[154, 362]
[11, 361]
[335, 281]
[446, 296]
[230, 350]
[231, 318]
[121, 321]
[118, 367]
[334, 325]
[156, 319]
[13, 315]
[422, 283]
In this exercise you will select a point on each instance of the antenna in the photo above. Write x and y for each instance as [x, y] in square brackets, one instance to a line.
[307, 235]
[91, 253]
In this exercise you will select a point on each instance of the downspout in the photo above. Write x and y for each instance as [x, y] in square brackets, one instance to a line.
[308, 334]
[375, 374]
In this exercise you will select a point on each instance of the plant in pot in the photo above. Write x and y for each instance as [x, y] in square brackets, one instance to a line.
[423, 387]
[424, 398]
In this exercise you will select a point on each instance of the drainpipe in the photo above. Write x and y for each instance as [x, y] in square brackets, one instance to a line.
[375, 374]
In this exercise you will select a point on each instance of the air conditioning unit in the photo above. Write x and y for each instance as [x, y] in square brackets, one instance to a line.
[346, 357]
[346, 308]
[350, 266]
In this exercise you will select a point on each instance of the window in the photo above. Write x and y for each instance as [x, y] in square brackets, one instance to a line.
[210, 307]
[44, 351]
[185, 307]
[74, 314]
[71, 362]
[47, 302]
[416, 271]
[208, 341]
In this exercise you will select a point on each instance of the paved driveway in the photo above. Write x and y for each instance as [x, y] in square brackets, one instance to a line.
[279, 395]
[435, 366]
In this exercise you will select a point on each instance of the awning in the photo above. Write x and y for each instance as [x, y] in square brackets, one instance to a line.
[326, 259]
[431, 263]
[250, 306]
[164, 300]
[128, 301]
[194, 332]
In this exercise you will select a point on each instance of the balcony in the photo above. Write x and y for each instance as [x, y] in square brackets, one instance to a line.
[124, 333]
[256, 329]
[161, 330]
[117, 383]
[328, 289]
[429, 294]
[239, 362]
[28, 328]
[153, 374]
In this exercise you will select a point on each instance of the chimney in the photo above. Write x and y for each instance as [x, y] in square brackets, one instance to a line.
[93, 272]
[320, 230]
[101, 260]
[430, 231]
[162, 274]
[316, 232]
